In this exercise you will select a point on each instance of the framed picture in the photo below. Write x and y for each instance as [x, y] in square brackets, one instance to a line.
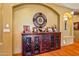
[26, 29]
[76, 25]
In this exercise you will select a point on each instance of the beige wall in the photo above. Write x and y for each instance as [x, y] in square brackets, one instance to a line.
[1, 28]
[6, 46]
[0, 24]
[22, 15]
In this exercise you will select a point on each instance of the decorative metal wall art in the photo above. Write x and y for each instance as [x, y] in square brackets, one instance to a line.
[39, 20]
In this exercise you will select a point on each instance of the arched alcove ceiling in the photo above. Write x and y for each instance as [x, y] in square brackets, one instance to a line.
[22, 4]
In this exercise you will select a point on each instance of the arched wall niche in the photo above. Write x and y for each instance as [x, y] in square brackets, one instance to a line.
[18, 7]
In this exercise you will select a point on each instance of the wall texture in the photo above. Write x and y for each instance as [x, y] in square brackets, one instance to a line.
[0, 24]
[6, 46]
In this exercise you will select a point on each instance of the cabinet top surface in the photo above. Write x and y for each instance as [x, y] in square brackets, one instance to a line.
[39, 33]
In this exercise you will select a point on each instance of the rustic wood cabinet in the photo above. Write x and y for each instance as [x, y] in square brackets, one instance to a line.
[36, 43]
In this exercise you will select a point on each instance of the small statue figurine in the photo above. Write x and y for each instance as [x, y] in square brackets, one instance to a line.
[40, 29]
[52, 28]
[34, 29]
[46, 30]
[55, 29]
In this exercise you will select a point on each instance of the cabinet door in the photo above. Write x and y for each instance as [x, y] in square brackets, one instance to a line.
[45, 42]
[52, 42]
[36, 44]
[27, 45]
[57, 40]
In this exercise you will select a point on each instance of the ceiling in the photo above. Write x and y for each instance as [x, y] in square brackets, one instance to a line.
[70, 5]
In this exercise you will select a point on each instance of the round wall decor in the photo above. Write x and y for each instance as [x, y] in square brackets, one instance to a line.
[39, 20]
